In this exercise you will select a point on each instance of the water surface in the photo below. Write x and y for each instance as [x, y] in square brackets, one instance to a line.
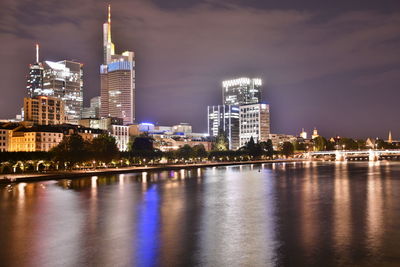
[293, 214]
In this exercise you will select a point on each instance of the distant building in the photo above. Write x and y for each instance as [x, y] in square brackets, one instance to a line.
[315, 133]
[241, 91]
[254, 122]
[117, 78]
[182, 128]
[303, 134]
[44, 110]
[279, 139]
[224, 118]
[93, 111]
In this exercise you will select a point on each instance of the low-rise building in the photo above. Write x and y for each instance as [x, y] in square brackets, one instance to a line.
[121, 135]
[171, 143]
[36, 138]
[279, 139]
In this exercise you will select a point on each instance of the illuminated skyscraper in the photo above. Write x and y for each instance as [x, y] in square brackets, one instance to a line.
[35, 77]
[63, 80]
[117, 74]
[241, 91]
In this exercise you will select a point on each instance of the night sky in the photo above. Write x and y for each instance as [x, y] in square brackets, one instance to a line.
[333, 65]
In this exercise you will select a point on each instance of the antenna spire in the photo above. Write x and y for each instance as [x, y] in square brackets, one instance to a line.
[37, 53]
[109, 23]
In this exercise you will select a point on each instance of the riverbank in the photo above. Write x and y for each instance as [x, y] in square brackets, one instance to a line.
[32, 177]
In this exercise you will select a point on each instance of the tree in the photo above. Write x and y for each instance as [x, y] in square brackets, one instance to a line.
[186, 152]
[104, 148]
[200, 151]
[287, 149]
[268, 148]
[320, 143]
[221, 142]
[72, 149]
[362, 144]
[142, 143]
[253, 149]
[300, 146]
[348, 144]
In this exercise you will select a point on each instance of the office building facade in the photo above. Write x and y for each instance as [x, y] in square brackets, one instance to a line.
[64, 80]
[241, 91]
[44, 110]
[224, 118]
[93, 111]
[117, 79]
[254, 122]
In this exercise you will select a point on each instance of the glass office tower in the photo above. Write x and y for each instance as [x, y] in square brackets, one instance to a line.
[241, 91]
[117, 80]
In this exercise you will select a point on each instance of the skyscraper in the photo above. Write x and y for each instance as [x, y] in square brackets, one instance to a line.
[117, 78]
[63, 80]
[241, 91]
[35, 77]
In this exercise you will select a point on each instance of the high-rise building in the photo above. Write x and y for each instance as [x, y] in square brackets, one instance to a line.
[35, 77]
[117, 78]
[241, 91]
[94, 110]
[44, 110]
[64, 80]
[254, 122]
[224, 118]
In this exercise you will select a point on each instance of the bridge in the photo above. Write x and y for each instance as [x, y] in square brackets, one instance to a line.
[341, 155]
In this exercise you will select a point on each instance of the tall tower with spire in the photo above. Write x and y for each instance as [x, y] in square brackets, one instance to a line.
[108, 46]
[390, 140]
[117, 79]
[34, 84]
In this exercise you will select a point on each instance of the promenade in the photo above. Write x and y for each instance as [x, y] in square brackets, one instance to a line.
[29, 177]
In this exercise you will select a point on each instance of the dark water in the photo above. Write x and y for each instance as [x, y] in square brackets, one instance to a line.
[298, 214]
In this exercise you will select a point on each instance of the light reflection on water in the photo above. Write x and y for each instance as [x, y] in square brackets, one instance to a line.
[296, 214]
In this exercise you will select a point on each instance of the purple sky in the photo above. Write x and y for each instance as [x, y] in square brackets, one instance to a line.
[332, 66]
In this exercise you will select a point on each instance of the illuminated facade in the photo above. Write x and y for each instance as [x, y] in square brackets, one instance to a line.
[117, 79]
[35, 77]
[225, 118]
[94, 110]
[64, 80]
[254, 122]
[121, 135]
[182, 128]
[34, 139]
[44, 110]
[241, 91]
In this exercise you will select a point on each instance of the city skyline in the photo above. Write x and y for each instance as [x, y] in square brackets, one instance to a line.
[318, 81]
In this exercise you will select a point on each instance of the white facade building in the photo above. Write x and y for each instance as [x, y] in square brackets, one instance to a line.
[121, 135]
[254, 122]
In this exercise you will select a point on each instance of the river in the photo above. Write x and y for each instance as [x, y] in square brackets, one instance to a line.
[281, 214]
